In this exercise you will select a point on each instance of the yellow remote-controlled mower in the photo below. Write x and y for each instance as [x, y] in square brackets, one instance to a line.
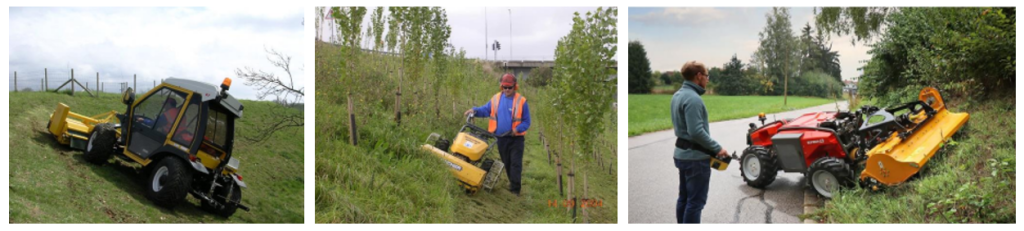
[465, 156]
[181, 131]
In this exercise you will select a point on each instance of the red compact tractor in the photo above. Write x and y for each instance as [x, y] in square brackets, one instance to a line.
[873, 146]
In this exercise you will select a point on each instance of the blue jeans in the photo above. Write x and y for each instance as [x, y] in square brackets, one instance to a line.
[694, 177]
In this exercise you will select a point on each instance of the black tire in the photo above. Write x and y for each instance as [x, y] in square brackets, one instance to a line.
[763, 172]
[101, 144]
[828, 174]
[221, 196]
[168, 182]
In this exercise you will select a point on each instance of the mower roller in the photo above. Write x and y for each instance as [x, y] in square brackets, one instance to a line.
[873, 146]
[465, 156]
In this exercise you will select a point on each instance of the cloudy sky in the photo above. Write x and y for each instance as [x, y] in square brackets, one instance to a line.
[205, 44]
[672, 36]
[535, 31]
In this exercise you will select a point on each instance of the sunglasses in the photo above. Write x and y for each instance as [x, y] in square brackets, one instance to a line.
[507, 88]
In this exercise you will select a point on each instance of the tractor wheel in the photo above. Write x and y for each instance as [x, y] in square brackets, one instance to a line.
[101, 144]
[828, 174]
[168, 182]
[758, 167]
[221, 196]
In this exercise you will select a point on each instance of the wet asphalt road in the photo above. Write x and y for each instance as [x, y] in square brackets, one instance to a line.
[654, 180]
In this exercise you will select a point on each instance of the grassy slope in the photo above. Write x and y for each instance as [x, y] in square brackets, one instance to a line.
[648, 113]
[388, 179]
[971, 179]
[51, 183]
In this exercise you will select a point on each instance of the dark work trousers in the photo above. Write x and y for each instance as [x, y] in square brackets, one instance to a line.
[511, 150]
[694, 177]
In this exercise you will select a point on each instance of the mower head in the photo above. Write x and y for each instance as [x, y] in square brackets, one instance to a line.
[911, 139]
[465, 155]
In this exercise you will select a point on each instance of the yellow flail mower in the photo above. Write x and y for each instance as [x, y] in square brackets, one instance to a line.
[181, 131]
[873, 146]
[465, 156]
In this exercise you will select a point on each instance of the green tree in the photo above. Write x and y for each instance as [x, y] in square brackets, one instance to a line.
[863, 23]
[349, 23]
[816, 56]
[778, 49]
[732, 80]
[963, 51]
[583, 61]
[640, 81]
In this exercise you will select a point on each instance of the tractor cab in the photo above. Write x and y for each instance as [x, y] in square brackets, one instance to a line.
[184, 118]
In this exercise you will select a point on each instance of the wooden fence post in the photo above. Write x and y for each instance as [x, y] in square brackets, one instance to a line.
[352, 122]
[97, 85]
[398, 105]
[586, 199]
[46, 80]
[135, 83]
[72, 82]
[558, 168]
[572, 188]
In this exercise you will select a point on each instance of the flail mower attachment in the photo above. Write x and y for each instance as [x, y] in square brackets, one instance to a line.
[906, 142]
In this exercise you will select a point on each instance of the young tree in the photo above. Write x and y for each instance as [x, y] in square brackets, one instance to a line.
[778, 49]
[583, 67]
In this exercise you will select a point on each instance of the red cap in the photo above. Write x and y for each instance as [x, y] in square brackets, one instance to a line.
[508, 80]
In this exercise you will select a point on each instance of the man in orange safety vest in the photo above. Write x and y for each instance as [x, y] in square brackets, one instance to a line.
[509, 118]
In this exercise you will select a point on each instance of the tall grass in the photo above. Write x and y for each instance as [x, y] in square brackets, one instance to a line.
[972, 179]
[387, 178]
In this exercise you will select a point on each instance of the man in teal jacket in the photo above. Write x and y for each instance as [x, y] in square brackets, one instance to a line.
[694, 145]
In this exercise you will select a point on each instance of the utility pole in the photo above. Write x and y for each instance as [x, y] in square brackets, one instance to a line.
[510, 34]
[485, 33]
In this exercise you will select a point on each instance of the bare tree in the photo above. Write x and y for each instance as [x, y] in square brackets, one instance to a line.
[286, 94]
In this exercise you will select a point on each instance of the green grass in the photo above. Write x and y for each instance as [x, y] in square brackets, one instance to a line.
[387, 178]
[648, 113]
[51, 183]
[972, 179]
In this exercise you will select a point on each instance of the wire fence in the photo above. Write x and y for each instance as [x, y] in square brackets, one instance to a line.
[61, 80]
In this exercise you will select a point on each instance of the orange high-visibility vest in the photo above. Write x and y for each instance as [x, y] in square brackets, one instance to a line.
[517, 113]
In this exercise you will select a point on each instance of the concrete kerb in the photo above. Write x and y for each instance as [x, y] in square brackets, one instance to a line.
[811, 204]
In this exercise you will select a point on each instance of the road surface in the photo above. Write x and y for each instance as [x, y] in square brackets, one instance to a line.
[654, 179]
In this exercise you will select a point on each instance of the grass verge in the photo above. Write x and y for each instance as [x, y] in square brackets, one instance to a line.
[51, 183]
[648, 113]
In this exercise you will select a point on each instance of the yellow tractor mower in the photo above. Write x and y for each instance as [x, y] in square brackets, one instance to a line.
[181, 131]
[465, 156]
